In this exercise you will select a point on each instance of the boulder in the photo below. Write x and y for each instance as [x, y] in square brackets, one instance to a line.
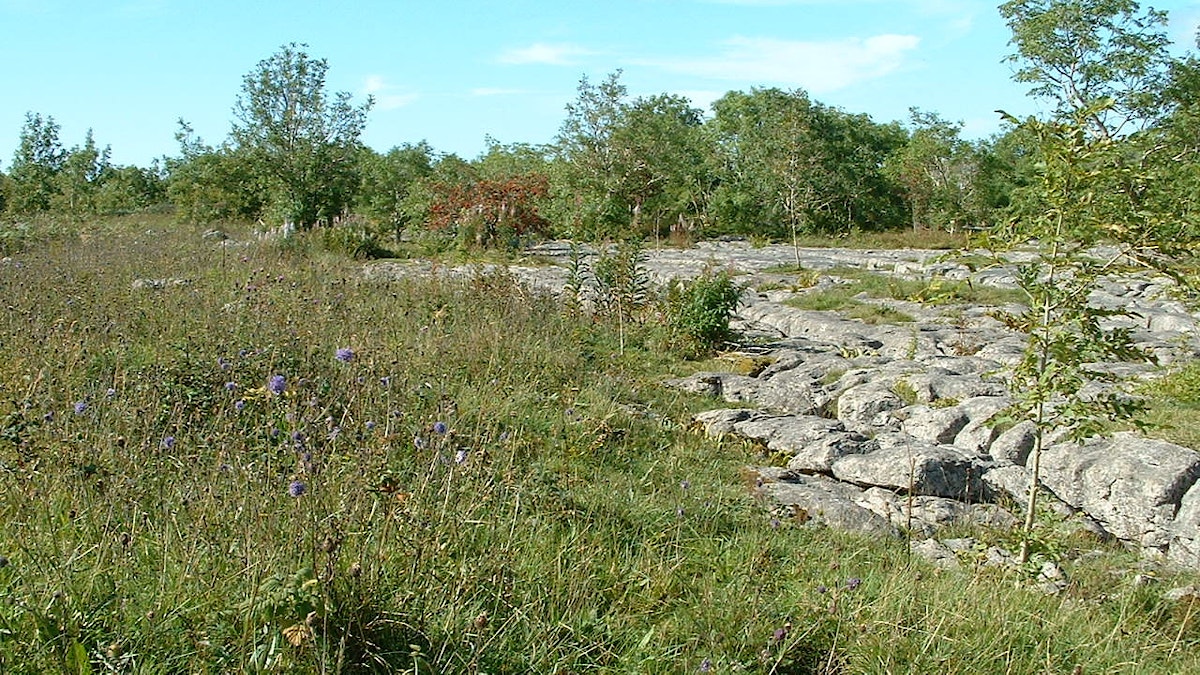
[906, 463]
[818, 500]
[1132, 485]
[865, 408]
[936, 425]
[1014, 444]
[924, 515]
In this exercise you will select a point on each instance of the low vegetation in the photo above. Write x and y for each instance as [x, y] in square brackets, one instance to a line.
[266, 464]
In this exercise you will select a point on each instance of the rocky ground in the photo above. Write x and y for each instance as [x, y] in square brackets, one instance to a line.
[885, 428]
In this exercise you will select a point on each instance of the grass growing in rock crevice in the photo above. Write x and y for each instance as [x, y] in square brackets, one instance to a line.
[481, 483]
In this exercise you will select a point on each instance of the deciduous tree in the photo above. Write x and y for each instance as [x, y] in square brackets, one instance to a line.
[302, 141]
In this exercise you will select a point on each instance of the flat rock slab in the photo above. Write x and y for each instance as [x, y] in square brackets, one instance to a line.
[1132, 485]
[906, 463]
[818, 500]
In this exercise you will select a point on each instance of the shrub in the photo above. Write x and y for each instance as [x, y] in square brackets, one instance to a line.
[697, 313]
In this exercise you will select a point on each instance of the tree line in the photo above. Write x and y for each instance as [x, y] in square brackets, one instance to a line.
[767, 162]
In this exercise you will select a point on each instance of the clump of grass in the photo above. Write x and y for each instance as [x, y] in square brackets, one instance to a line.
[278, 467]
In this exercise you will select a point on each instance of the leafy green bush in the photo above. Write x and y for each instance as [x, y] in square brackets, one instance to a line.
[697, 313]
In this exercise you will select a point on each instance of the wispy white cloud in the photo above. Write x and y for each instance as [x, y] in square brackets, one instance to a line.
[818, 66]
[385, 94]
[544, 54]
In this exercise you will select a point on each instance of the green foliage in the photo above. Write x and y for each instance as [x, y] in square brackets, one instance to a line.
[1081, 53]
[38, 160]
[301, 143]
[562, 517]
[697, 313]
[388, 181]
[938, 173]
[207, 185]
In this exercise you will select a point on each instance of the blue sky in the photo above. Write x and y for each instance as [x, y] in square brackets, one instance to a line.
[453, 72]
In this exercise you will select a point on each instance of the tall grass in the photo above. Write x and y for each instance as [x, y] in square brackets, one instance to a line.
[484, 483]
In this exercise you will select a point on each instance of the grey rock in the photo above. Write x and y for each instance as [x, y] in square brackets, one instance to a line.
[903, 463]
[924, 515]
[817, 500]
[936, 425]
[1131, 485]
[1013, 445]
[1185, 531]
[937, 553]
[865, 407]
[720, 422]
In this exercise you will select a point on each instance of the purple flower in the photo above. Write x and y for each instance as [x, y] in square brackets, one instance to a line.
[296, 488]
[240, 404]
[706, 666]
[779, 635]
[822, 588]
[439, 427]
[418, 442]
[80, 406]
[775, 523]
[168, 442]
[230, 386]
[370, 425]
[277, 384]
[225, 365]
[460, 457]
[344, 354]
[853, 583]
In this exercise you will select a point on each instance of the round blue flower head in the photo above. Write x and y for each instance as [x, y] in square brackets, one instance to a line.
[277, 384]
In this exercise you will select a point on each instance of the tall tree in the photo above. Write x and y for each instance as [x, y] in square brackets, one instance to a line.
[937, 171]
[591, 166]
[302, 141]
[38, 160]
[1081, 53]
[77, 184]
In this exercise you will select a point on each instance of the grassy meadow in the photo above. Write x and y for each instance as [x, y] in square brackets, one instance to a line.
[265, 464]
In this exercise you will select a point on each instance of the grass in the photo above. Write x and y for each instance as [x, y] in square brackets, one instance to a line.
[488, 485]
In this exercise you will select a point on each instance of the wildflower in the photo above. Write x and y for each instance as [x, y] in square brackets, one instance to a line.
[230, 386]
[775, 523]
[344, 354]
[277, 384]
[296, 488]
[111, 392]
[240, 404]
[706, 666]
[168, 442]
[224, 364]
[385, 380]
[439, 427]
[460, 457]
[853, 583]
[418, 442]
[685, 484]
[822, 589]
[80, 406]
[370, 425]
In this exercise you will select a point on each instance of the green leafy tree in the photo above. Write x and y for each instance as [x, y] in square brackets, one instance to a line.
[77, 184]
[1102, 174]
[592, 168]
[37, 161]
[388, 181]
[207, 184]
[788, 161]
[302, 142]
[126, 189]
[937, 172]
[1080, 53]
[665, 181]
